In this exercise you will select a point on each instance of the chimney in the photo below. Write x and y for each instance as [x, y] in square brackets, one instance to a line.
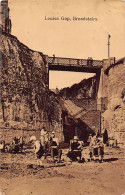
[5, 22]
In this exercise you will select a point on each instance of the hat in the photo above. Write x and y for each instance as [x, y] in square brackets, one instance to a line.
[33, 138]
[75, 137]
[53, 132]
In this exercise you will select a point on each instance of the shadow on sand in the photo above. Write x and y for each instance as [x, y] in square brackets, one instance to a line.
[110, 159]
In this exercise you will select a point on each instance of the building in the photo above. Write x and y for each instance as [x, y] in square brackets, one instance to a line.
[78, 121]
[5, 22]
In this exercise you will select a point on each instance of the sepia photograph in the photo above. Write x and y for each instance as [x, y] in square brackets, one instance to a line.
[62, 97]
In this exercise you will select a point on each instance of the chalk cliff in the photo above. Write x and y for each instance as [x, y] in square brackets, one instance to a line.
[25, 97]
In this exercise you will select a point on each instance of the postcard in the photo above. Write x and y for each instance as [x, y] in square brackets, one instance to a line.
[62, 107]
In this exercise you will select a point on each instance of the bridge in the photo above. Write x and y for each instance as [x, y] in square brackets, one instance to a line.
[76, 65]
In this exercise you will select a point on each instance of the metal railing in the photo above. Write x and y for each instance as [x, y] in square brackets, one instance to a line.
[74, 62]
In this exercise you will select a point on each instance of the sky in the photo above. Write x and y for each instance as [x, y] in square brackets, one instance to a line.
[73, 39]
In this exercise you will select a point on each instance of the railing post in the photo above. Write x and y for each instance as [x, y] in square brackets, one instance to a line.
[69, 61]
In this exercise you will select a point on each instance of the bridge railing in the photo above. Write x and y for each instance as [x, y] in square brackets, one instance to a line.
[74, 62]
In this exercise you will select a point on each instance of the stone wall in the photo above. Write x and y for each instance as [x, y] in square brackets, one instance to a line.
[113, 87]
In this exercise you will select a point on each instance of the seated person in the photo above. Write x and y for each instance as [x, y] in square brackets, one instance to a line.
[15, 145]
[96, 147]
[75, 145]
[75, 149]
[54, 144]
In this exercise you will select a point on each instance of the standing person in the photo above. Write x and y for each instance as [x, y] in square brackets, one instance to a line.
[89, 139]
[53, 61]
[93, 146]
[46, 137]
[93, 141]
[98, 134]
[100, 150]
[46, 143]
[42, 135]
[44, 140]
[105, 136]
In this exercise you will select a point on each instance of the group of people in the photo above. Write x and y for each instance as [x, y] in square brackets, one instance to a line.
[47, 146]
[95, 148]
[15, 146]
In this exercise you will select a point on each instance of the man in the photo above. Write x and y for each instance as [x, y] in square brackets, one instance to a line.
[93, 141]
[55, 150]
[100, 150]
[43, 136]
[21, 142]
[105, 137]
[39, 151]
[89, 139]
[53, 61]
[97, 133]
[96, 148]
[75, 149]
[15, 145]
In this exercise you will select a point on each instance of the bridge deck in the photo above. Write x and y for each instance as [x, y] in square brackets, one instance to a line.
[90, 63]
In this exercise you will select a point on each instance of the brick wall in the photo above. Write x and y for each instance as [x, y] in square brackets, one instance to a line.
[92, 119]
[88, 104]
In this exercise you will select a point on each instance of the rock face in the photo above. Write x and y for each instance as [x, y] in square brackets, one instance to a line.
[85, 89]
[25, 97]
[82, 94]
[113, 119]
